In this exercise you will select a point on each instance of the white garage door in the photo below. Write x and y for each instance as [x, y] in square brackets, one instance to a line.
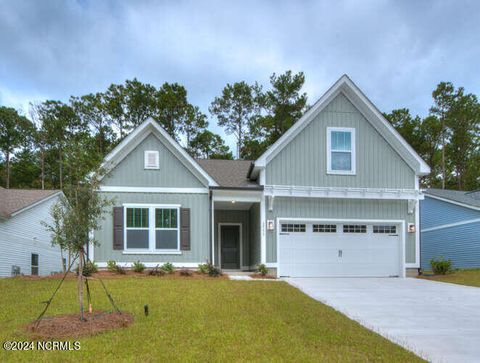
[339, 249]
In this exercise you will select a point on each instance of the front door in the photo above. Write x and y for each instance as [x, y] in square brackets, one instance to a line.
[230, 246]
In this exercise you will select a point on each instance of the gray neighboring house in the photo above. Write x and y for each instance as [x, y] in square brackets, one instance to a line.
[25, 245]
[336, 195]
[450, 227]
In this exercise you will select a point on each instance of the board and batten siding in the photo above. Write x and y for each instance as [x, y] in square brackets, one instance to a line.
[303, 162]
[459, 243]
[22, 235]
[288, 207]
[255, 243]
[199, 228]
[131, 172]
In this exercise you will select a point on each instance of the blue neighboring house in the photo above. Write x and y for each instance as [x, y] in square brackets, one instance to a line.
[450, 227]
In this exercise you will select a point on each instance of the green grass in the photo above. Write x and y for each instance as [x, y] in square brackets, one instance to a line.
[198, 321]
[461, 277]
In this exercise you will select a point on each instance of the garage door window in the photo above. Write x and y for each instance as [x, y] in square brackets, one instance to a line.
[354, 228]
[293, 227]
[385, 229]
[325, 228]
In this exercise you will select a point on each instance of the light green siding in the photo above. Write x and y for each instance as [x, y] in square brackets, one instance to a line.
[255, 243]
[131, 172]
[340, 209]
[303, 162]
[234, 216]
[199, 228]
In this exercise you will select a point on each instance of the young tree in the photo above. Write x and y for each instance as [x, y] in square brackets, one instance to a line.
[13, 132]
[74, 218]
[237, 109]
[207, 145]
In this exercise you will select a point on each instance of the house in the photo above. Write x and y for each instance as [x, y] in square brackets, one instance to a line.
[450, 227]
[336, 195]
[25, 245]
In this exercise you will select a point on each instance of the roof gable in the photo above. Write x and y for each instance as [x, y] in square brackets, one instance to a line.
[458, 197]
[148, 127]
[345, 86]
[15, 201]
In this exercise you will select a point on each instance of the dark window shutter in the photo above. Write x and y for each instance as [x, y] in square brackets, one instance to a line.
[118, 228]
[185, 229]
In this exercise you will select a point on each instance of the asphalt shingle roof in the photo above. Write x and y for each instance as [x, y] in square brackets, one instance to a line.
[13, 200]
[470, 198]
[229, 173]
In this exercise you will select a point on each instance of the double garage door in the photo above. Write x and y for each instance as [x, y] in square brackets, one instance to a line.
[326, 249]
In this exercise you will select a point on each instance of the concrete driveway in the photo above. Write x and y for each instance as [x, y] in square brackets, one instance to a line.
[437, 321]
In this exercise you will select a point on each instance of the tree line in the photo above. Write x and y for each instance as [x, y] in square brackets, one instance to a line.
[58, 143]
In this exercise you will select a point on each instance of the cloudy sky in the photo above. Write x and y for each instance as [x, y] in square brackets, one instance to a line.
[396, 51]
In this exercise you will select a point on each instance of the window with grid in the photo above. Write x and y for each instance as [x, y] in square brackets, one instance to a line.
[137, 228]
[385, 229]
[341, 150]
[290, 227]
[325, 228]
[354, 228]
[166, 229]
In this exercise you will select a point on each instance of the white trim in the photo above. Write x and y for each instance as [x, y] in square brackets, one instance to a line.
[344, 84]
[124, 189]
[352, 151]
[344, 193]
[212, 227]
[219, 235]
[272, 265]
[36, 203]
[220, 195]
[263, 237]
[452, 201]
[337, 220]
[141, 130]
[417, 237]
[157, 160]
[153, 264]
[156, 252]
[449, 225]
[91, 247]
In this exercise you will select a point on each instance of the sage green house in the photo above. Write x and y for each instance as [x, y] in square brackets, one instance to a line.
[336, 195]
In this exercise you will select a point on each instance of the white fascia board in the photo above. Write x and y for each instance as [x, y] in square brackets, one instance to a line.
[345, 193]
[141, 132]
[452, 201]
[124, 189]
[227, 195]
[57, 194]
[342, 85]
[450, 225]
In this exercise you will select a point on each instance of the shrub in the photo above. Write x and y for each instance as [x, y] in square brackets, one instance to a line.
[441, 266]
[213, 271]
[156, 271]
[262, 269]
[203, 268]
[89, 269]
[138, 267]
[120, 270]
[167, 267]
[111, 266]
[185, 272]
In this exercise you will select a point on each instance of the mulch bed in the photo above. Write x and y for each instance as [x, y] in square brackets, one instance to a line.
[70, 326]
[260, 276]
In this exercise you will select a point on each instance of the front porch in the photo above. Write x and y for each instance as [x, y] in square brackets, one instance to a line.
[236, 229]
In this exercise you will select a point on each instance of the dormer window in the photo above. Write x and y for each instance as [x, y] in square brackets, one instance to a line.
[341, 150]
[151, 159]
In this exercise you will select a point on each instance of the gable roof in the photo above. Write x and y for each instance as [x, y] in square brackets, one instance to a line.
[229, 173]
[346, 86]
[466, 199]
[135, 137]
[15, 201]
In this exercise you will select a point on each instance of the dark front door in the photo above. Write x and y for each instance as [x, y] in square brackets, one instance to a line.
[230, 250]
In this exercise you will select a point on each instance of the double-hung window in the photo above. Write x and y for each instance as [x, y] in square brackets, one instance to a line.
[152, 228]
[341, 150]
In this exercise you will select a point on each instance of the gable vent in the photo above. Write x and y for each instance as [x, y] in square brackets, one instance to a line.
[151, 159]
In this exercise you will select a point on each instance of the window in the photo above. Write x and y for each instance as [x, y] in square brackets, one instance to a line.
[340, 150]
[35, 264]
[152, 228]
[151, 159]
[293, 227]
[354, 228]
[385, 229]
[325, 228]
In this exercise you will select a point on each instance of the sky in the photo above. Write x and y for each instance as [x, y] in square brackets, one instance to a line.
[395, 51]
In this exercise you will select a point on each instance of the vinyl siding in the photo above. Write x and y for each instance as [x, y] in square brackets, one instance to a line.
[303, 162]
[234, 216]
[17, 241]
[255, 243]
[131, 172]
[199, 228]
[340, 209]
[461, 243]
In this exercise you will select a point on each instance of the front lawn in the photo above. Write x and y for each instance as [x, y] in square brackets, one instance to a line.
[198, 321]
[461, 277]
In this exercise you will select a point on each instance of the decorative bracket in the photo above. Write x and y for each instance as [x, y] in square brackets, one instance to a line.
[271, 198]
[411, 205]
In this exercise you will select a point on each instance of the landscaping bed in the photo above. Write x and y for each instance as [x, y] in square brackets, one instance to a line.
[461, 277]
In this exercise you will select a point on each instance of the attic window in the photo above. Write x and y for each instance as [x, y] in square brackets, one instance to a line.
[341, 150]
[151, 159]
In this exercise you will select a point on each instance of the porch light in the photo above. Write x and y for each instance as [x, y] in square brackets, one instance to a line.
[233, 202]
